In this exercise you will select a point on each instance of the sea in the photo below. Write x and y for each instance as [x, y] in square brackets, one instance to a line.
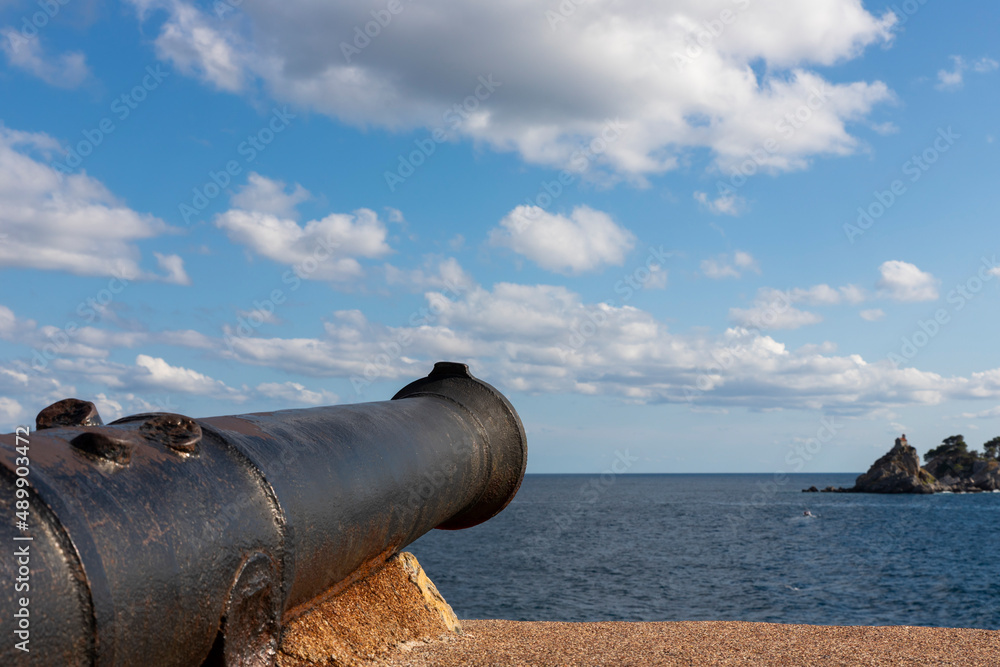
[723, 547]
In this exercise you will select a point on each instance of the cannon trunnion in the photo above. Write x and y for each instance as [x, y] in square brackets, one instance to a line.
[164, 540]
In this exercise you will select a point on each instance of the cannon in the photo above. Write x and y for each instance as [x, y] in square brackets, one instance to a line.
[159, 539]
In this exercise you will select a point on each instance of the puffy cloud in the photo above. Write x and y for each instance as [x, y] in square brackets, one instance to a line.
[508, 75]
[774, 309]
[70, 222]
[268, 196]
[75, 338]
[954, 78]
[724, 267]
[28, 389]
[872, 314]
[903, 281]
[725, 204]
[324, 249]
[951, 79]
[190, 40]
[174, 267]
[10, 410]
[985, 65]
[445, 274]
[543, 338]
[531, 338]
[587, 240]
[824, 295]
[68, 70]
[772, 312]
[155, 372]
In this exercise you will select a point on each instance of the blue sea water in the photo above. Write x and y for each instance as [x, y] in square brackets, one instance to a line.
[724, 547]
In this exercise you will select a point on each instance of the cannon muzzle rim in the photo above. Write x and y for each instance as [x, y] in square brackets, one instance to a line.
[507, 443]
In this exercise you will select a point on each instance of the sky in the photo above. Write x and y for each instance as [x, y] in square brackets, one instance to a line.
[697, 236]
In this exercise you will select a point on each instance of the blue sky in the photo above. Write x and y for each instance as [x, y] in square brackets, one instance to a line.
[727, 236]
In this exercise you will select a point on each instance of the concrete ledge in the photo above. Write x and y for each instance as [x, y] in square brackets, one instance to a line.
[395, 604]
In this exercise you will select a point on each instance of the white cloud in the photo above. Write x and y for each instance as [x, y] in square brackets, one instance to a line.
[264, 195]
[395, 215]
[774, 309]
[174, 267]
[885, 128]
[657, 278]
[724, 267]
[31, 389]
[954, 78]
[324, 249]
[726, 204]
[295, 394]
[772, 315]
[71, 222]
[156, 373]
[191, 41]
[530, 338]
[553, 89]
[872, 314]
[543, 338]
[985, 65]
[902, 281]
[444, 274]
[67, 70]
[951, 79]
[10, 410]
[587, 240]
[982, 414]
[50, 344]
[824, 295]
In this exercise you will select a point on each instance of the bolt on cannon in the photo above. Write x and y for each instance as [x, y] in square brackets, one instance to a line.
[159, 539]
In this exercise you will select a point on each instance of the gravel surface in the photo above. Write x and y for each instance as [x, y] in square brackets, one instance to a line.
[494, 643]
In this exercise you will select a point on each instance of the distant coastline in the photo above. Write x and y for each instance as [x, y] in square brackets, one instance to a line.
[949, 468]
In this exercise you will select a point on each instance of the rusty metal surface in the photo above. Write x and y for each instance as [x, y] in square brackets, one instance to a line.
[165, 540]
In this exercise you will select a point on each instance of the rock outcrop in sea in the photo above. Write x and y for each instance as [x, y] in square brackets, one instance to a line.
[898, 471]
[950, 468]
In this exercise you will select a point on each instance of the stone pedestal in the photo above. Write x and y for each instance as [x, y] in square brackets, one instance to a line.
[393, 605]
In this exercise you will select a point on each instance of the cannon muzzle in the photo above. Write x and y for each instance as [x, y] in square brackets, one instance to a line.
[164, 540]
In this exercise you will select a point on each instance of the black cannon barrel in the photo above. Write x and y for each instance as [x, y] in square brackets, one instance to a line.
[164, 540]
